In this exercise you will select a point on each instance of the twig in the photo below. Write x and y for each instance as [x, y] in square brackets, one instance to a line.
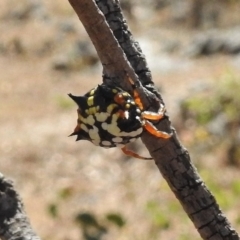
[170, 156]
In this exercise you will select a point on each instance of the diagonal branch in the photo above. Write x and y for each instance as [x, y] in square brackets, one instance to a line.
[110, 53]
[131, 48]
[170, 156]
[112, 56]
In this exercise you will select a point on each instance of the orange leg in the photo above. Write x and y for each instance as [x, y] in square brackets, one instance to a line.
[135, 94]
[154, 131]
[149, 115]
[154, 116]
[137, 99]
[133, 154]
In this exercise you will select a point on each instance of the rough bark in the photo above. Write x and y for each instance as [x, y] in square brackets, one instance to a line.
[14, 223]
[170, 156]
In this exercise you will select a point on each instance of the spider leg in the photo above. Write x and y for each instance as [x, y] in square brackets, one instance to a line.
[148, 115]
[154, 131]
[135, 94]
[133, 154]
[154, 116]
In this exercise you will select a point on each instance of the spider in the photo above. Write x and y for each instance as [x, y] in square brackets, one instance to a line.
[111, 117]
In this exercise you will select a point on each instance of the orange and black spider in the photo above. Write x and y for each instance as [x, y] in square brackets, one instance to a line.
[110, 117]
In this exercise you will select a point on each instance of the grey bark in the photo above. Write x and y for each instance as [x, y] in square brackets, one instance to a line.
[120, 54]
[14, 224]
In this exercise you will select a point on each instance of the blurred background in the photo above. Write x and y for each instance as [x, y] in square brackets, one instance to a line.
[74, 190]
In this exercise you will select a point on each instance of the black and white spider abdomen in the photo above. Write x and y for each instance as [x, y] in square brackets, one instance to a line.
[107, 117]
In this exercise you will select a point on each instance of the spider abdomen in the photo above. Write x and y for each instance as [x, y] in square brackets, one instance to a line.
[107, 117]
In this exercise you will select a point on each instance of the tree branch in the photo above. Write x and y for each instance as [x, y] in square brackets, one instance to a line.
[14, 223]
[170, 156]
[110, 53]
[112, 56]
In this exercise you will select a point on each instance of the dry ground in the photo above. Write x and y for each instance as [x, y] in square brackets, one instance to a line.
[36, 117]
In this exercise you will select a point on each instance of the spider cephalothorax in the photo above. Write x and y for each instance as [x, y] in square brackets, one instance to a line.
[110, 117]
